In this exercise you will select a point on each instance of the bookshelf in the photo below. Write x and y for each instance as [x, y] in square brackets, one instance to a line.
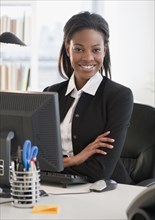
[18, 66]
[43, 31]
[14, 76]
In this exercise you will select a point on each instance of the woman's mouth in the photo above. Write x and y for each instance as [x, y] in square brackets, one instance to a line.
[87, 67]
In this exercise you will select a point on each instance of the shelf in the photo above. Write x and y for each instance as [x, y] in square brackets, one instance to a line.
[16, 17]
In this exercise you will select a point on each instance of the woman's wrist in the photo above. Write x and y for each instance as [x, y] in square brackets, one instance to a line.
[70, 161]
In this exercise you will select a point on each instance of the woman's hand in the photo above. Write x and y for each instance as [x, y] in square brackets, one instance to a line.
[96, 147]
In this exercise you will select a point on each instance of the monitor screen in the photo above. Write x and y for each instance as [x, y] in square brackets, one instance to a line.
[33, 116]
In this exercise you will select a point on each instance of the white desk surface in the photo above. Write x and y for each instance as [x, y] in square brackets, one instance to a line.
[105, 205]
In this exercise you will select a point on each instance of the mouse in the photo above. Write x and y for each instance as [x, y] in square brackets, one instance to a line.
[103, 185]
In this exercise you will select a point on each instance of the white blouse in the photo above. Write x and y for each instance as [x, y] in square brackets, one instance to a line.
[66, 133]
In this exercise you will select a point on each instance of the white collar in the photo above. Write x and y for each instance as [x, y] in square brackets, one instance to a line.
[90, 87]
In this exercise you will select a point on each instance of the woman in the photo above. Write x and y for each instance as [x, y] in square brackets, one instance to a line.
[94, 111]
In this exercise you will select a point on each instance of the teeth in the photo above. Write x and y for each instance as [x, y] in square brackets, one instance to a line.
[87, 67]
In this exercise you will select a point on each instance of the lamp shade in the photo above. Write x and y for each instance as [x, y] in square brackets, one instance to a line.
[10, 38]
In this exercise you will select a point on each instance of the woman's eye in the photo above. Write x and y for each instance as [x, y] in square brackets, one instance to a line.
[97, 50]
[77, 49]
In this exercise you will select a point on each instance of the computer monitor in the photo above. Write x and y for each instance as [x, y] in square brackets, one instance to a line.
[33, 116]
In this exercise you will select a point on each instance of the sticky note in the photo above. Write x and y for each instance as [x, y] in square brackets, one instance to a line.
[45, 209]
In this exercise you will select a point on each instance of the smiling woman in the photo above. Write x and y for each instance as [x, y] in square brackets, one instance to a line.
[87, 34]
[94, 110]
[86, 52]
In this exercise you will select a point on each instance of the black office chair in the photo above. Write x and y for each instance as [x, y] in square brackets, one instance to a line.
[138, 153]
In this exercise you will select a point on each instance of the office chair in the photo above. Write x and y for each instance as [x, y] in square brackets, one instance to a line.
[138, 154]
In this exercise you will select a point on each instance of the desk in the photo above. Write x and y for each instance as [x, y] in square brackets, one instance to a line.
[106, 205]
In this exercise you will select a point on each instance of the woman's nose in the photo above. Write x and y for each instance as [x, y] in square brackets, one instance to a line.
[87, 55]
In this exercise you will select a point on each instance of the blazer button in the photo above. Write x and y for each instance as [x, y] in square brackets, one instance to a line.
[77, 115]
[74, 137]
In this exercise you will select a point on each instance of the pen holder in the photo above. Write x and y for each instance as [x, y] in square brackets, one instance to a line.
[25, 188]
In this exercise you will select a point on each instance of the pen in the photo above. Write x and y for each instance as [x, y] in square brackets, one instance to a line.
[13, 169]
[21, 167]
[19, 153]
[32, 166]
[37, 165]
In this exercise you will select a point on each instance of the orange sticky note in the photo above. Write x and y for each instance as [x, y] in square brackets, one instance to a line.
[45, 209]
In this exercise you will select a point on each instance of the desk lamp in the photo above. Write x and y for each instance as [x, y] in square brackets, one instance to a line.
[10, 38]
[5, 139]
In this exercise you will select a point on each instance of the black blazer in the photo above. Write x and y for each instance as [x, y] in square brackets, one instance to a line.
[110, 109]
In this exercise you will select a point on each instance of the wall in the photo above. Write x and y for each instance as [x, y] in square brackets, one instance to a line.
[132, 45]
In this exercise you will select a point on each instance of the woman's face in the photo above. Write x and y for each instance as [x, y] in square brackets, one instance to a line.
[86, 52]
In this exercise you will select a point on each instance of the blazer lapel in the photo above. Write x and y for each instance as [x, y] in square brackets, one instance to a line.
[65, 103]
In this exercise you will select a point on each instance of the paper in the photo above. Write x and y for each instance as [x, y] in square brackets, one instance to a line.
[45, 209]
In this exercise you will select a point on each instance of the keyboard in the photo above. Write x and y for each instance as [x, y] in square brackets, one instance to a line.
[49, 177]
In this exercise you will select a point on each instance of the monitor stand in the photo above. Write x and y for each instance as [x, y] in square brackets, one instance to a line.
[5, 155]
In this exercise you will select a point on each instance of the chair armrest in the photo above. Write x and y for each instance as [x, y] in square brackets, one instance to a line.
[147, 182]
